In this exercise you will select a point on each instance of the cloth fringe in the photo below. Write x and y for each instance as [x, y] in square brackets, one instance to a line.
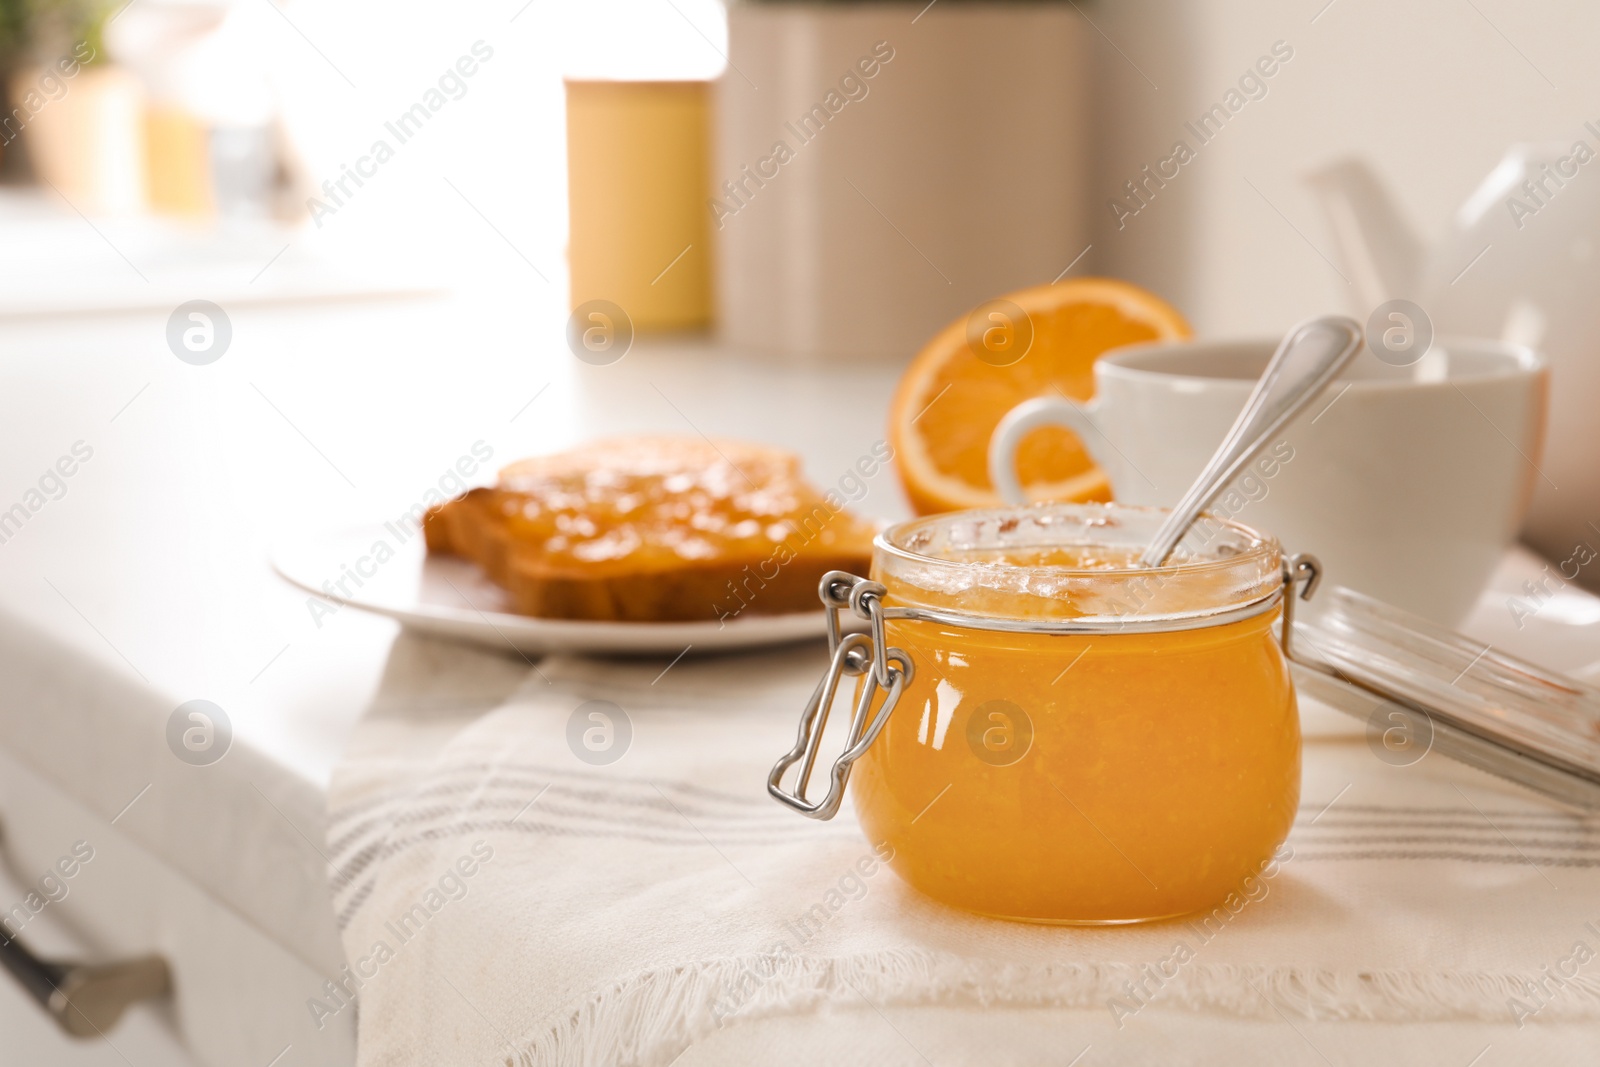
[654, 1015]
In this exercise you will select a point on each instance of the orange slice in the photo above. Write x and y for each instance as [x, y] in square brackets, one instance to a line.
[1041, 341]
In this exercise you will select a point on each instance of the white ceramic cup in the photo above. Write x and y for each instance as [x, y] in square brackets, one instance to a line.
[1407, 483]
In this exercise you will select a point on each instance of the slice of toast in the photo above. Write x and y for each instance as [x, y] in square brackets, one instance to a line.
[654, 529]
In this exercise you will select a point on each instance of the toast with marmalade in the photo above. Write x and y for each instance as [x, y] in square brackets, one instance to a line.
[654, 529]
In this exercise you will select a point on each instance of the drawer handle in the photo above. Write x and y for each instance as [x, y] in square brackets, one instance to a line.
[85, 999]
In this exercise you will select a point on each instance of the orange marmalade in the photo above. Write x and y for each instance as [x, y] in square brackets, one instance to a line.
[1082, 740]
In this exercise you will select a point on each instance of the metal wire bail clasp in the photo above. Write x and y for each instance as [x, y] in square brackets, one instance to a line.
[1301, 574]
[852, 654]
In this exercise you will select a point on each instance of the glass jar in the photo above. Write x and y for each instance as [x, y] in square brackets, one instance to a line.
[1045, 731]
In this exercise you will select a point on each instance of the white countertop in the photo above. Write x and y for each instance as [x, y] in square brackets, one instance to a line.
[147, 584]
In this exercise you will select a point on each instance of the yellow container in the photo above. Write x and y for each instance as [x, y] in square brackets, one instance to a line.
[637, 181]
[177, 162]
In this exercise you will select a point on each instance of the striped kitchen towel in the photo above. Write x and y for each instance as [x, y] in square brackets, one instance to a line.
[575, 862]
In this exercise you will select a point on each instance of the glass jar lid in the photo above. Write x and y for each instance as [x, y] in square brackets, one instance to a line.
[1431, 688]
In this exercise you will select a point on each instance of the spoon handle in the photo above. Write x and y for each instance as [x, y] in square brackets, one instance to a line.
[1312, 354]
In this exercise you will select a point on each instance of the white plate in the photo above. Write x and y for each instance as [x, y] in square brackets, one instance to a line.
[454, 598]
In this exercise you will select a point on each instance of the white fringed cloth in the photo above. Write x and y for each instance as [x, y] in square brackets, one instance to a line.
[504, 901]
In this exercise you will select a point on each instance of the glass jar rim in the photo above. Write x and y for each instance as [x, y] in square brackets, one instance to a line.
[1229, 569]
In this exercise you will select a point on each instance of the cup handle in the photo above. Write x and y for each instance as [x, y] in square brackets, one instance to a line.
[1022, 420]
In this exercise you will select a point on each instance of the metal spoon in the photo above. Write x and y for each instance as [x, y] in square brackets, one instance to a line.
[1311, 355]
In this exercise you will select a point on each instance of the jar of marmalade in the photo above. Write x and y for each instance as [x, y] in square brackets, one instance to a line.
[1043, 730]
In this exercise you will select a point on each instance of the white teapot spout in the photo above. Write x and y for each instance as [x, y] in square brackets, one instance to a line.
[1377, 250]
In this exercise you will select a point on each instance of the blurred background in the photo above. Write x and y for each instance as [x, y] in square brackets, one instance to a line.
[193, 136]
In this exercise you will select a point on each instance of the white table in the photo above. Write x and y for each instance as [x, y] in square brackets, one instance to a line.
[146, 585]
